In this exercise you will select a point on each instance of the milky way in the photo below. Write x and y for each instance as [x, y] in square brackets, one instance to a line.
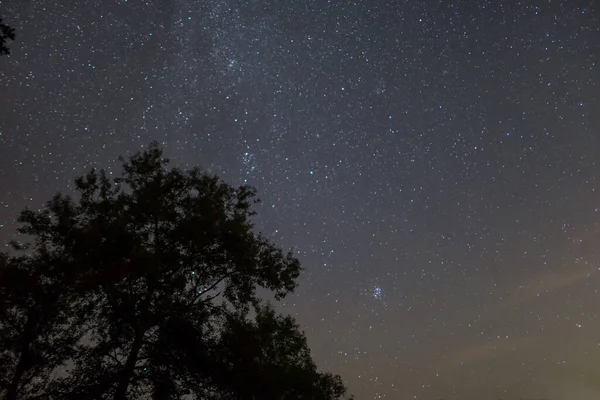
[433, 163]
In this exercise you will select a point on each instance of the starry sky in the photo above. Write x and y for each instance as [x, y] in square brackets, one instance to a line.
[434, 164]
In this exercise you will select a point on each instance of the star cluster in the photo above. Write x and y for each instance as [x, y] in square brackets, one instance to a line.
[433, 163]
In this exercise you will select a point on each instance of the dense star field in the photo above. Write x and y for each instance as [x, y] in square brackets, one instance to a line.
[435, 165]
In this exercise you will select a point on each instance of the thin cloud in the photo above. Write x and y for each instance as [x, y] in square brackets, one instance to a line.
[547, 283]
[485, 350]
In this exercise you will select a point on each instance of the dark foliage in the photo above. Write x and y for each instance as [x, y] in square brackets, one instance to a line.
[6, 33]
[40, 313]
[272, 359]
[159, 269]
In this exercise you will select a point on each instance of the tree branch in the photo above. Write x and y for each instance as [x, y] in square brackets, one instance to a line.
[211, 287]
[214, 285]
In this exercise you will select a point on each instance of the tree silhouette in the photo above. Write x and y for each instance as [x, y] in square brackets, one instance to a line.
[39, 324]
[6, 33]
[273, 359]
[164, 265]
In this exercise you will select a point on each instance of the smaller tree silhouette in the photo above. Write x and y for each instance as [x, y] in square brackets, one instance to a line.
[6, 33]
[270, 355]
[39, 324]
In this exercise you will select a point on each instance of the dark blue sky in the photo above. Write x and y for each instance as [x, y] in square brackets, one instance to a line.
[434, 163]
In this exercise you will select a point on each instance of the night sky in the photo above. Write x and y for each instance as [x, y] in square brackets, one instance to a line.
[434, 163]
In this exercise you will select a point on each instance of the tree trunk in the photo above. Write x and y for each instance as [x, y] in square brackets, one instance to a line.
[128, 369]
[13, 389]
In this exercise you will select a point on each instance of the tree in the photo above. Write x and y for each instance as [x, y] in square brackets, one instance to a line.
[272, 357]
[38, 322]
[6, 33]
[166, 264]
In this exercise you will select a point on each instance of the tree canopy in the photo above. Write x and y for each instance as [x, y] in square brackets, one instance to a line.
[146, 287]
[6, 33]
